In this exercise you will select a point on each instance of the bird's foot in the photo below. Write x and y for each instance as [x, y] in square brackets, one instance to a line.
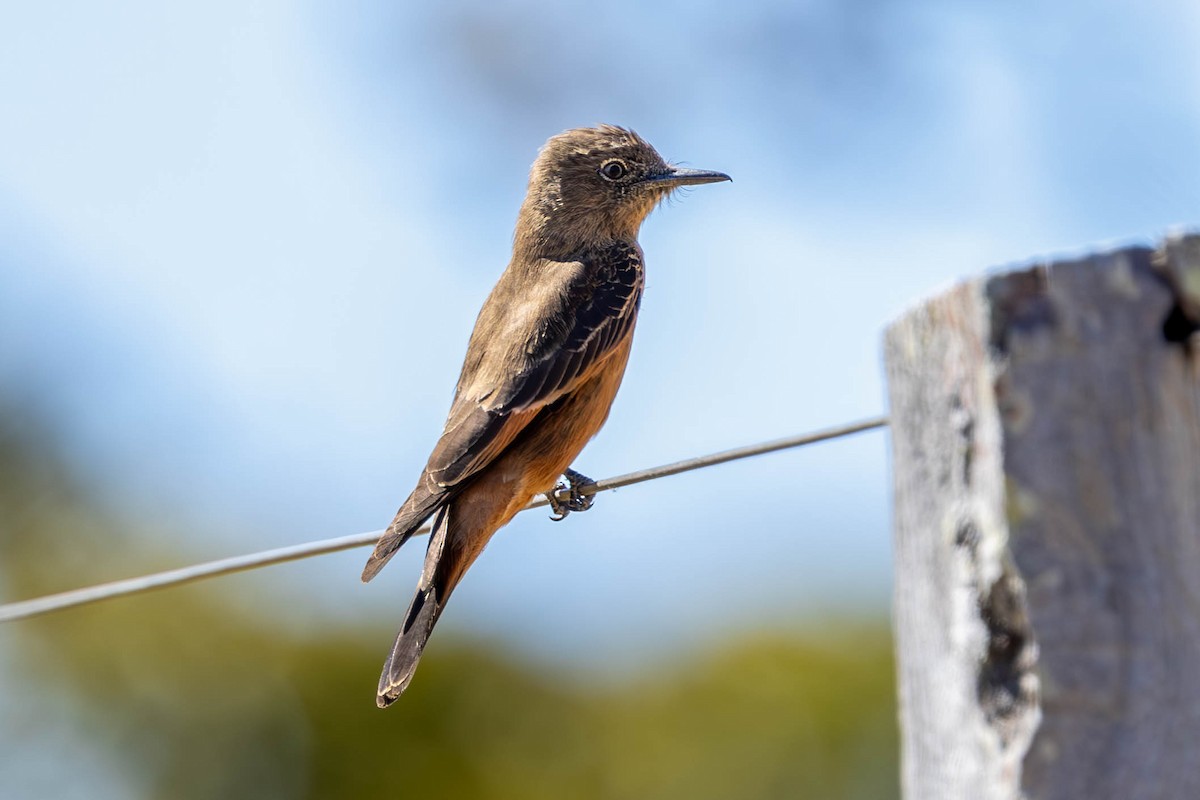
[578, 501]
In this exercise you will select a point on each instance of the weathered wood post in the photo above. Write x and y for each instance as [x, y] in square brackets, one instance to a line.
[1046, 452]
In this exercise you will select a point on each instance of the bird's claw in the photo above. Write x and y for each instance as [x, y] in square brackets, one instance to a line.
[578, 501]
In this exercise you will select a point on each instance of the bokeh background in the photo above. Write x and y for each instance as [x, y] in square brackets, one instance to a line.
[242, 245]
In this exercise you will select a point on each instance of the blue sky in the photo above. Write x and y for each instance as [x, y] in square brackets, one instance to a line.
[242, 246]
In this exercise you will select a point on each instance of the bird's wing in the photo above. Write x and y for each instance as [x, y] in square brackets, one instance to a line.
[584, 319]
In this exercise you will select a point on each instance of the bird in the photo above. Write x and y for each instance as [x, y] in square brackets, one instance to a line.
[543, 365]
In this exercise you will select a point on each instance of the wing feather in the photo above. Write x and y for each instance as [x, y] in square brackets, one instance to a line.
[596, 308]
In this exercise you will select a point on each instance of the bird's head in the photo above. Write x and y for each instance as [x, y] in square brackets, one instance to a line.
[597, 184]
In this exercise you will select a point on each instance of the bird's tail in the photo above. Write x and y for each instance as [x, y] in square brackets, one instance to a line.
[438, 578]
[416, 509]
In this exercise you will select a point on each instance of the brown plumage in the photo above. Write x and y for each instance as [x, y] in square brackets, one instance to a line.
[542, 367]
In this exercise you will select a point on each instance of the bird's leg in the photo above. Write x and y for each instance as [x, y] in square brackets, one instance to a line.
[577, 482]
[578, 501]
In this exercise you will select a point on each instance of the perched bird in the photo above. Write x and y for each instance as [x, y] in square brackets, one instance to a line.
[542, 367]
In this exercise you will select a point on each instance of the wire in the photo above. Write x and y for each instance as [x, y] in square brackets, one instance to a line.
[226, 566]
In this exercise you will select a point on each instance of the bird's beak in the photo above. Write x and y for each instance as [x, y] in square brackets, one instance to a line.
[678, 176]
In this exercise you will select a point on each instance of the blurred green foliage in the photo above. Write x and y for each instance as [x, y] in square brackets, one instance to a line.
[198, 697]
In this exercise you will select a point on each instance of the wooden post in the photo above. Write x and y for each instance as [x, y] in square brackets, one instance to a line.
[1046, 452]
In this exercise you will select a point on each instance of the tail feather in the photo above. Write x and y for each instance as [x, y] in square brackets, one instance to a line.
[416, 509]
[433, 591]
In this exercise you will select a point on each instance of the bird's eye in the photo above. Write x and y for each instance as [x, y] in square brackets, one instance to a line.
[613, 169]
